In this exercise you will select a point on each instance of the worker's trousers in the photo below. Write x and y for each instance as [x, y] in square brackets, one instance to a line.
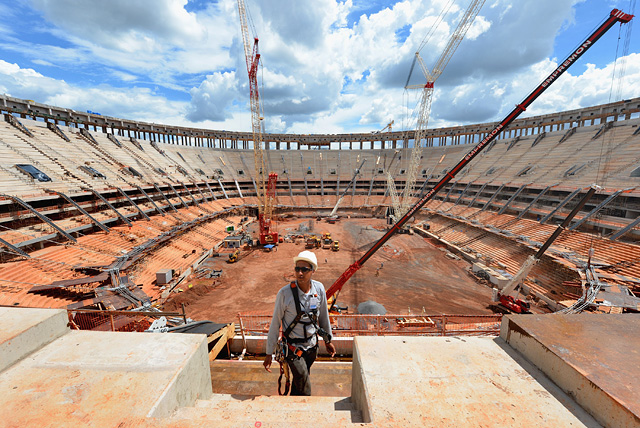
[300, 368]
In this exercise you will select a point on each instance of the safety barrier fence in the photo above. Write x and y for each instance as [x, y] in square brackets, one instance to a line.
[391, 325]
[98, 320]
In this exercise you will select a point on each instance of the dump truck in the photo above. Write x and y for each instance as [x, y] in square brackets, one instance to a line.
[312, 242]
[335, 246]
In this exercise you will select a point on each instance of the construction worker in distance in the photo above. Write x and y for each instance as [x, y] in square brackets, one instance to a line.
[301, 310]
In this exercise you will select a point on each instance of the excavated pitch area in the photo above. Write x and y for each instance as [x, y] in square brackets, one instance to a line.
[415, 275]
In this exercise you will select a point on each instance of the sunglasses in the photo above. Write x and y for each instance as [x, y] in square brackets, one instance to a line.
[302, 269]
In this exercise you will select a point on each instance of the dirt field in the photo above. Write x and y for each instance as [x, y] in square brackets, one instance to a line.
[416, 276]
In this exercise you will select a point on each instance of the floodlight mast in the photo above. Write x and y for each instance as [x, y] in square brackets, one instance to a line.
[614, 17]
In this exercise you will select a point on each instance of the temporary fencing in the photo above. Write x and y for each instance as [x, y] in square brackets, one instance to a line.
[391, 325]
[98, 320]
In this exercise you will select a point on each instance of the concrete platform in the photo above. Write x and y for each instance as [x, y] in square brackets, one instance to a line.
[583, 374]
[26, 330]
[453, 382]
[105, 378]
[593, 357]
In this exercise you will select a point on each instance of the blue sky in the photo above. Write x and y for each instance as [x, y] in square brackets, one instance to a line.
[328, 66]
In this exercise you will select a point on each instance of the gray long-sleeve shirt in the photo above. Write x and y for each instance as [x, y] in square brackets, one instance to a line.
[285, 312]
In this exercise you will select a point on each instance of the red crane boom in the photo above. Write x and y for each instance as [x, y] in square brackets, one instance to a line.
[614, 17]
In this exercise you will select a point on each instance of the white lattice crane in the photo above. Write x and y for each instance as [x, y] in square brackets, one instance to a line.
[389, 126]
[401, 206]
[265, 189]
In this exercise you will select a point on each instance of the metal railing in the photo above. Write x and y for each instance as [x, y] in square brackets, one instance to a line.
[391, 325]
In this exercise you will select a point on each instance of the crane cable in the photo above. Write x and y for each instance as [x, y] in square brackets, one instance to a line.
[426, 39]
[615, 93]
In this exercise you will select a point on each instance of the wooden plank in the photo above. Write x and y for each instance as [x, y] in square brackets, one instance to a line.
[224, 334]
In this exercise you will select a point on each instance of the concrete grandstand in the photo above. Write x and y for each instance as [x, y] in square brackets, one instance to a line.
[93, 207]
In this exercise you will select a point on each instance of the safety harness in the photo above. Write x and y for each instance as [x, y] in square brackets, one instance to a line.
[285, 344]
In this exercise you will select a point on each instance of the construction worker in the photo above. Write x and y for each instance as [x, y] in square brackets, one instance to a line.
[301, 310]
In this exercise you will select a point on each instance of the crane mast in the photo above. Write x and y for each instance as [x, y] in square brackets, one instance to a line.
[265, 187]
[353, 179]
[401, 206]
[614, 17]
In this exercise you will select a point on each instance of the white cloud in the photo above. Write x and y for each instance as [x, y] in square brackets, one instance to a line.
[124, 25]
[213, 97]
[42, 62]
[156, 37]
[320, 75]
[592, 87]
[133, 103]
[125, 77]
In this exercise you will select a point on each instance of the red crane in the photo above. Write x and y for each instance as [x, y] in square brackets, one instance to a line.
[614, 17]
[265, 189]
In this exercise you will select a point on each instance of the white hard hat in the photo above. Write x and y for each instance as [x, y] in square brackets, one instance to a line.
[309, 257]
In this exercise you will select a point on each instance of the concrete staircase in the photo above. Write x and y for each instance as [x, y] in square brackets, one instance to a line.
[250, 378]
[53, 376]
[246, 394]
[551, 370]
[232, 410]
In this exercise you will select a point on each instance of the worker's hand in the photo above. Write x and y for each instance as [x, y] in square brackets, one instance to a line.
[331, 348]
[267, 363]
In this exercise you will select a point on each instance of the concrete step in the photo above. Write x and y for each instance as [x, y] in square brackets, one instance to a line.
[239, 410]
[105, 376]
[250, 378]
[290, 402]
[27, 330]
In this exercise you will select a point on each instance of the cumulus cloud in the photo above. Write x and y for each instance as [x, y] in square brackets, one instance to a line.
[123, 24]
[328, 65]
[134, 103]
[210, 101]
[156, 37]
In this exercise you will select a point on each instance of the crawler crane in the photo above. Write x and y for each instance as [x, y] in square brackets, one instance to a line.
[614, 17]
[401, 206]
[266, 189]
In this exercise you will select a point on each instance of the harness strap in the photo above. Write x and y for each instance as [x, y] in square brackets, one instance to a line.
[284, 367]
[284, 370]
[299, 314]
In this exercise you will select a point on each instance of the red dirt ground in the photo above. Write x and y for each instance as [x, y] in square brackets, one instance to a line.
[416, 276]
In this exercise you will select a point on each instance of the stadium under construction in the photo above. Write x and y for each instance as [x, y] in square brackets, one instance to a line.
[119, 239]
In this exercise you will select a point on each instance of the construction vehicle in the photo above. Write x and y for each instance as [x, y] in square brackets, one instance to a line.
[233, 257]
[614, 17]
[335, 246]
[504, 299]
[326, 241]
[265, 188]
[312, 242]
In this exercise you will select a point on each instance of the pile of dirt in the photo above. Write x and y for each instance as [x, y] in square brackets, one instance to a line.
[188, 296]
